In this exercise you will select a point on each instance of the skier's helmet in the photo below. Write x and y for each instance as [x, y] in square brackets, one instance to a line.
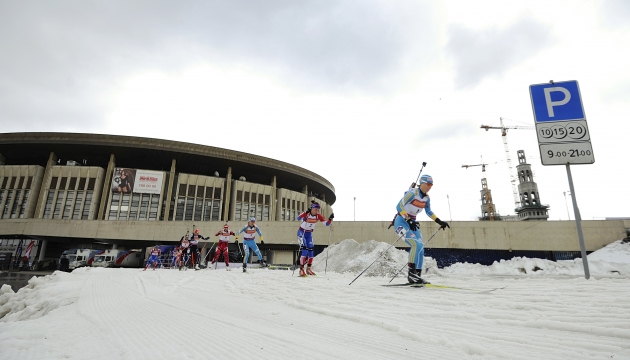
[252, 219]
[426, 179]
[315, 205]
[225, 227]
[196, 231]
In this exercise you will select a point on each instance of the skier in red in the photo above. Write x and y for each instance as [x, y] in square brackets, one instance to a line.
[305, 235]
[222, 247]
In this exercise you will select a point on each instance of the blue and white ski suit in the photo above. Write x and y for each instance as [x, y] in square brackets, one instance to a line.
[412, 203]
[249, 241]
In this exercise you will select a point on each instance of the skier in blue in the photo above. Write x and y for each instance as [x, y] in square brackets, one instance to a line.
[412, 203]
[309, 219]
[249, 242]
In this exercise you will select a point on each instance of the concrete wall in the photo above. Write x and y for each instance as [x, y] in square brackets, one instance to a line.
[498, 235]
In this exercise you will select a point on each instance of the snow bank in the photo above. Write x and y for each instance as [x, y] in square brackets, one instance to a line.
[42, 295]
[350, 256]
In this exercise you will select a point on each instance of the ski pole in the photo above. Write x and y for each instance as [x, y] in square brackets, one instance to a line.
[400, 237]
[329, 233]
[209, 251]
[397, 272]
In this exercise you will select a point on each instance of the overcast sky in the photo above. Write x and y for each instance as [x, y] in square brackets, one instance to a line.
[360, 92]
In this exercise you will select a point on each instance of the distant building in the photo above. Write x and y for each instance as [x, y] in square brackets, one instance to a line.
[531, 206]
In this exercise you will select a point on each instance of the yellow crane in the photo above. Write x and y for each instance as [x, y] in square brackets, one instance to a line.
[487, 200]
[504, 130]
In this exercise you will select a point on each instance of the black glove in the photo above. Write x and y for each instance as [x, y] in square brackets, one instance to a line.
[443, 224]
[332, 216]
[413, 224]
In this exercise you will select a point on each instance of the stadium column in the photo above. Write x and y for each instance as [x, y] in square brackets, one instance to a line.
[106, 187]
[39, 212]
[226, 197]
[273, 205]
[169, 191]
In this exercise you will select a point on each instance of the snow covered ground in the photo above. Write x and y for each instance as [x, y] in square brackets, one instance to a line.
[546, 310]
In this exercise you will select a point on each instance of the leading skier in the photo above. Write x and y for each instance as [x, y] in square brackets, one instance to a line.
[412, 203]
[222, 247]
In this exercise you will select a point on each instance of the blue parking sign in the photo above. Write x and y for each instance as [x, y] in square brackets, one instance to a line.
[559, 101]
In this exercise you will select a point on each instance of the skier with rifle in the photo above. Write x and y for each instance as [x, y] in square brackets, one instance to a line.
[412, 203]
[194, 250]
[224, 241]
[305, 235]
[249, 242]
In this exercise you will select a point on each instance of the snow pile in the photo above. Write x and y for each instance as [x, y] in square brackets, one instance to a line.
[350, 256]
[613, 259]
[42, 295]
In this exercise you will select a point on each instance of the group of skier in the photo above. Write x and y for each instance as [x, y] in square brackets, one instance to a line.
[413, 202]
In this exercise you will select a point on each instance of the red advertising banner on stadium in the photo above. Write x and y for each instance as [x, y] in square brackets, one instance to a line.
[137, 181]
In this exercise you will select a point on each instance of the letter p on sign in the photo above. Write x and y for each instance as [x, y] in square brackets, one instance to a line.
[559, 101]
[551, 104]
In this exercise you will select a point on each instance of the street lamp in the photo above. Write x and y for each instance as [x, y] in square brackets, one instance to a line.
[565, 202]
[355, 209]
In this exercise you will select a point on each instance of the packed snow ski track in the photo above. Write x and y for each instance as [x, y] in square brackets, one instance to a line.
[215, 314]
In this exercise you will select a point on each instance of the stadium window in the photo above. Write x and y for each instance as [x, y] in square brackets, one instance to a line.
[3, 183]
[76, 214]
[179, 215]
[198, 209]
[217, 193]
[81, 184]
[266, 213]
[207, 210]
[87, 205]
[135, 203]
[182, 190]
[57, 209]
[23, 205]
[237, 211]
[155, 200]
[189, 208]
[144, 207]
[53, 182]
[49, 202]
[12, 183]
[16, 204]
[267, 199]
[68, 205]
[260, 198]
[20, 182]
[259, 211]
[246, 196]
[191, 190]
[62, 183]
[91, 183]
[200, 191]
[216, 208]
[73, 183]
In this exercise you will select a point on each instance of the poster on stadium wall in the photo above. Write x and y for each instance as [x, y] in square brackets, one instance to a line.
[137, 181]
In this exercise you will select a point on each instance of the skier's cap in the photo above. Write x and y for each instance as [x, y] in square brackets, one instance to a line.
[315, 205]
[426, 179]
[225, 226]
[252, 219]
[196, 231]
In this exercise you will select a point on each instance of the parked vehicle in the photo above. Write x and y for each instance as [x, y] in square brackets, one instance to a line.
[119, 258]
[80, 257]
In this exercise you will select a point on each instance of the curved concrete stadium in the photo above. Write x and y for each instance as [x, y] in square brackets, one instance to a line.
[54, 185]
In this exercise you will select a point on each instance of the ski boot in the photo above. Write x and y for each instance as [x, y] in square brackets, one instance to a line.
[244, 267]
[302, 272]
[309, 271]
[227, 267]
[414, 275]
[263, 264]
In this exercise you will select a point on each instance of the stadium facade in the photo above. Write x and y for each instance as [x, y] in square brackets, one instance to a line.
[86, 177]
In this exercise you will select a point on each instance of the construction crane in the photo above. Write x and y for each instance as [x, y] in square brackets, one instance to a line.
[484, 186]
[504, 130]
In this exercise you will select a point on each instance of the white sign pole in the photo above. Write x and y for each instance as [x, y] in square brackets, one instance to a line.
[578, 224]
